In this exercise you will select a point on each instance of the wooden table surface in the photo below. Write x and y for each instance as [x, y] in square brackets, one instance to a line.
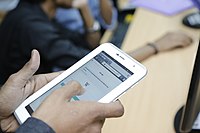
[150, 106]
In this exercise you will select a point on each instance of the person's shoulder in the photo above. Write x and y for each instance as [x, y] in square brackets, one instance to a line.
[26, 11]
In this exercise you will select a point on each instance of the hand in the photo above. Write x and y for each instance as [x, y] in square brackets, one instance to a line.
[17, 88]
[64, 3]
[172, 40]
[66, 116]
[79, 3]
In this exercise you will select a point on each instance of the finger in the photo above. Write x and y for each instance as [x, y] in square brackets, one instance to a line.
[43, 79]
[71, 89]
[50, 76]
[186, 40]
[184, 37]
[108, 110]
[23, 75]
[183, 43]
[9, 124]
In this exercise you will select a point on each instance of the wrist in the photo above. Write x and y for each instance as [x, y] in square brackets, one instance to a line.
[83, 7]
[95, 27]
[40, 125]
[47, 120]
[87, 17]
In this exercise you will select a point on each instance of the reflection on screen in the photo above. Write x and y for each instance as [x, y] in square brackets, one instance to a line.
[98, 76]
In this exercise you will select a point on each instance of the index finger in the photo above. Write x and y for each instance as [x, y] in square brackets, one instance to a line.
[50, 76]
[43, 79]
[71, 89]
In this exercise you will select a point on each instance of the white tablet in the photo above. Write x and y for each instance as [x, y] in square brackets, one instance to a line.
[105, 74]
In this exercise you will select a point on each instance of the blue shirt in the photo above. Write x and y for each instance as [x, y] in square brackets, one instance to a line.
[71, 18]
[34, 125]
[6, 5]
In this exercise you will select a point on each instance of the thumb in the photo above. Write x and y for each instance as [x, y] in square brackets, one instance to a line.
[109, 110]
[23, 75]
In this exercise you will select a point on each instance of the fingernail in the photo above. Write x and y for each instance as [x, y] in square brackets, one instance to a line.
[32, 52]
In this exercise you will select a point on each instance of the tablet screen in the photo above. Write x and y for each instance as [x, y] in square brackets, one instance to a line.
[98, 76]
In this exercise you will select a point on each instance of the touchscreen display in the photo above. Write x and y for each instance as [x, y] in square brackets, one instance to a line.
[98, 77]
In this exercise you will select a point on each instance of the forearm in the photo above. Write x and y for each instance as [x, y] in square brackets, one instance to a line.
[142, 53]
[94, 37]
[106, 10]
[86, 16]
[167, 42]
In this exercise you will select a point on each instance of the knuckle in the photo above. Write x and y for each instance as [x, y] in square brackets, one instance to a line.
[100, 112]
[75, 85]
[33, 67]
[95, 111]
[13, 77]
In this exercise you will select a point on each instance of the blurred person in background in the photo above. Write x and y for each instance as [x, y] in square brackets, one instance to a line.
[88, 16]
[31, 25]
[6, 5]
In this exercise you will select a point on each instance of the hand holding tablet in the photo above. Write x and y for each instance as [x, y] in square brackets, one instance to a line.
[105, 74]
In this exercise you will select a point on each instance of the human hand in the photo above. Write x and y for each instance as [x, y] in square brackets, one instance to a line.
[64, 3]
[18, 87]
[172, 40]
[79, 3]
[66, 116]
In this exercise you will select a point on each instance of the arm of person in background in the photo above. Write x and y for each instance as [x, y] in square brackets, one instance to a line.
[93, 37]
[106, 10]
[74, 117]
[167, 42]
